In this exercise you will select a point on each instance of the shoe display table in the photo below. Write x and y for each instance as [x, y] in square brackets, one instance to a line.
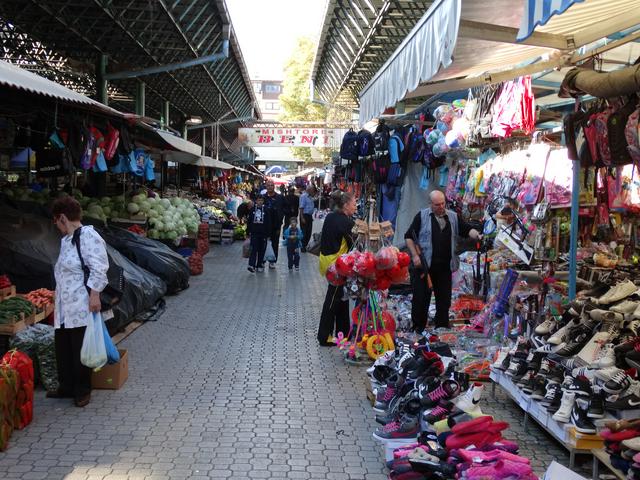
[602, 457]
[539, 414]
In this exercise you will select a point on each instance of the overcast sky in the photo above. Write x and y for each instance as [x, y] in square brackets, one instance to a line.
[267, 31]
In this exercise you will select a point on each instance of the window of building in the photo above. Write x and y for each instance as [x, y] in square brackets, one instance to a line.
[272, 88]
[272, 106]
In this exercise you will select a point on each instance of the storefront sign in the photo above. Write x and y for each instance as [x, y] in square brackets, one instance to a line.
[290, 137]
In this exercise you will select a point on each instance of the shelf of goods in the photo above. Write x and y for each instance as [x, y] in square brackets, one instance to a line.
[602, 457]
[565, 434]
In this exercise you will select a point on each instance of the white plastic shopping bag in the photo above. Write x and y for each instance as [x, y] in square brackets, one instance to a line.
[94, 352]
[269, 255]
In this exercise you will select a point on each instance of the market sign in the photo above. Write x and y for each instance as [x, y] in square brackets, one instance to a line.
[290, 137]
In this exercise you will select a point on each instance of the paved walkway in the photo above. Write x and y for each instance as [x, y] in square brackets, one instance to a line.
[229, 383]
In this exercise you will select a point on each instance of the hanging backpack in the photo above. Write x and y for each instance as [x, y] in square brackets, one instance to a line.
[112, 139]
[416, 147]
[602, 135]
[366, 146]
[381, 138]
[349, 146]
[381, 166]
[616, 126]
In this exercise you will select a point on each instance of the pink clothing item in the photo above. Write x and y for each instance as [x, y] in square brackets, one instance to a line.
[477, 439]
[501, 469]
[477, 456]
[514, 108]
[476, 425]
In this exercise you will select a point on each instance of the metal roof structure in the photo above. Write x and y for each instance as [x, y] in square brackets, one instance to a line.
[486, 51]
[63, 40]
[357, 37]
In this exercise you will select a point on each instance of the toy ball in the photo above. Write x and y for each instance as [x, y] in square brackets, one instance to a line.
[459, 104]
[386, 258]
[404, 259]
[442, 126]
[432, 137]
[398, 274]
[344, 265]
[382, 283]
[334, 278]
[452, 140]
[461, 126]
[365, 265]
[444, 113]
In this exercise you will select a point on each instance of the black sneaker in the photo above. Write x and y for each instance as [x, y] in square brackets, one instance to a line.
[581, 386]
[521, 372]
[463, 380]
[539, 390]
[551, 393]
[574, 344]
[579, 417]
[251, 270]
[408, 405]
[555, 404]
[406, 428]
[596, 406]
[628, 402]
[526, 382]
[517, 365]
[619, 382]
[443, 409]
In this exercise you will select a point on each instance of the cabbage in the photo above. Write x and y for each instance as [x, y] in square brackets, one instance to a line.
[106, 210]
[139, 198]
[172, 234]
[165, 203]
[133, 208]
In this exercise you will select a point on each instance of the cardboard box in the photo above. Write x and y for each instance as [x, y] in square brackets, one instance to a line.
[112, 377]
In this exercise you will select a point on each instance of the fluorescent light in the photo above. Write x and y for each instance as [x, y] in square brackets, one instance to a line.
[194, 120]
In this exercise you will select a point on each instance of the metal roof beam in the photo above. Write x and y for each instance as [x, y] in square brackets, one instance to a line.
[498, 33]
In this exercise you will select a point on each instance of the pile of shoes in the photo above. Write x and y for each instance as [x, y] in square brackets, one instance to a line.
[431, 414]
[622, 443]
[583, 363]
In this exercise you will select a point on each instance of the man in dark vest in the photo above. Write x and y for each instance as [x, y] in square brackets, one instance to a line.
[433, 232]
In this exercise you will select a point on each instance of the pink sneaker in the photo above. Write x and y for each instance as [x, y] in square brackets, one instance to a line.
[477, 456]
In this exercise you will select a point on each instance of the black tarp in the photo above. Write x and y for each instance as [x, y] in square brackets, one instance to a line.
[29, 248]
[151, 255]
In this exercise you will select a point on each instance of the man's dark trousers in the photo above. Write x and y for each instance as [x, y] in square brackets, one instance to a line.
[307, 227]
[441, 281]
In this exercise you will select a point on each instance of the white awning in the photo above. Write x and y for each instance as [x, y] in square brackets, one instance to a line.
[418, 58]
[179, 143]
[15, 77]
[197, 160]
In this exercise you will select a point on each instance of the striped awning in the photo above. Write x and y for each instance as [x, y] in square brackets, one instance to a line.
[538, 12]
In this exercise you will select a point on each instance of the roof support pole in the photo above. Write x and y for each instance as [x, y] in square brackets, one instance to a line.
[165, 114]
[573, 240]
[173, 66]
[140, 99]
[101, 82]
[204, 142]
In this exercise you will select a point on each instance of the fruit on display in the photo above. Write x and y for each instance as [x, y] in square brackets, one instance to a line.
[5, 282]
[196, 266]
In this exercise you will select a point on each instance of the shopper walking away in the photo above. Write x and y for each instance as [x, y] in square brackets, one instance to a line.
[75, 300]
[275, 204]
[336, 240]
[306, 215]
[293, 241]
[433, 234]
[291, 203]
[259, 229]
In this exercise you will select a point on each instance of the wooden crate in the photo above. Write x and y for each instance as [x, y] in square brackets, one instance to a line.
[48, 310]
[7, 292]
[227, 237]
[13, 328]
[215, 233]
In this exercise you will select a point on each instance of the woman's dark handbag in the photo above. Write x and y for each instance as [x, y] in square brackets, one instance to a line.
[314, 245]
[112, 293]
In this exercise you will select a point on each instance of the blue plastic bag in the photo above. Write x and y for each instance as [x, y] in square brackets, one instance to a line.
[113, 355]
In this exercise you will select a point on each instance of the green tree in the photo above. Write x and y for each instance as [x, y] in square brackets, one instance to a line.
[295, 98]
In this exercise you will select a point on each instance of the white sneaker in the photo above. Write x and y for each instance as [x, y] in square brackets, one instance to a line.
[606, 374]
[469, 401]
[546, 327]
[550, 348]
[566, 406]
[606, 357]
[636, 313]
[626, 307]
[619, 292]
[560, 336]
[502, 354]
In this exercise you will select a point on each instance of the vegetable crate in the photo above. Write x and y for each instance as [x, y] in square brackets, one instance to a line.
[7, 292]
[227, 237]
[215, 233]
[19, 325]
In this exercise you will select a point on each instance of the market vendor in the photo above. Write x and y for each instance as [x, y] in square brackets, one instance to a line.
[76, 299]
[432, 236]
[244, 209]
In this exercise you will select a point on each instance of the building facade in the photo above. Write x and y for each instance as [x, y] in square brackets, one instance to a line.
[268, 93]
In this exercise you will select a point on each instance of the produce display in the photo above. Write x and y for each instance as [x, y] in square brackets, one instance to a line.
[196, 266]
[41, 297]
[12, 308]
[4, 281]
[137, 229]
[22, 364]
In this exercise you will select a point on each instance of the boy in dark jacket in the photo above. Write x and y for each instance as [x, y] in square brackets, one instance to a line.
[293, 241]
[259, 229]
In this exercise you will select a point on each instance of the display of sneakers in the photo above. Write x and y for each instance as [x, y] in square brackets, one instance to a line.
[578, 338]
[517, 366]
[406, 429]
[618, 383]
[606, 357]
[552, 390]
[538, 391]
[563, 414]
[546, 327]
[627, 402]
[633, 356]
[555, 404]
[580, 418]
[443, 409]
[386, 394]
[606, 374]
[526, 378]
[559, 336]
[502, 356]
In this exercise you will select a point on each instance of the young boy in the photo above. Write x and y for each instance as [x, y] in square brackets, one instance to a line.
[259, 228]
[293, 241]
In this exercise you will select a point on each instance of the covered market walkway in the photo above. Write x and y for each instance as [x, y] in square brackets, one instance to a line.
[228, 383]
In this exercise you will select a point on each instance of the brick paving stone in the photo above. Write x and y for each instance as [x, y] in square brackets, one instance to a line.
[230, 383]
